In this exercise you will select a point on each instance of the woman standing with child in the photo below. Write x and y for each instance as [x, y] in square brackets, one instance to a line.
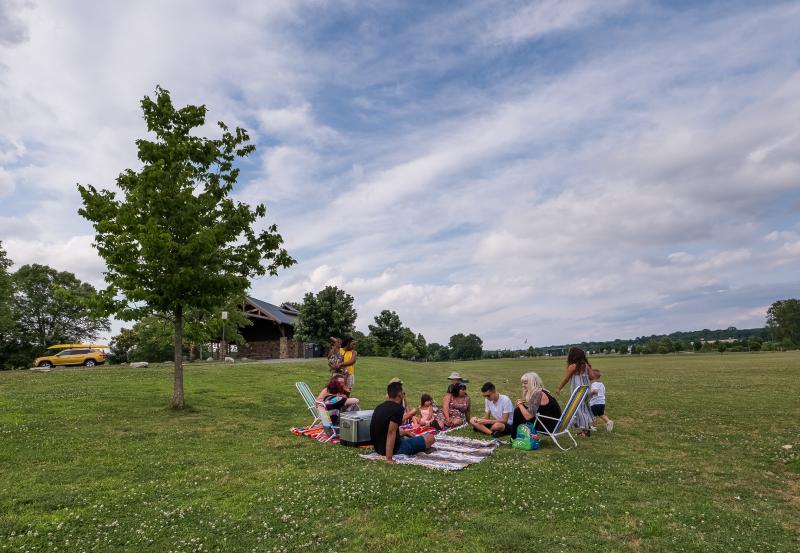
[579, 371]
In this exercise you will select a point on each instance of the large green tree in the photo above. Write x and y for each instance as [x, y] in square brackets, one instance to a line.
[7, 324]
[388, 331]
[6, 295]
[327, 313]
[783, 320]
[53, 306]
[176, 240]
[465, 347]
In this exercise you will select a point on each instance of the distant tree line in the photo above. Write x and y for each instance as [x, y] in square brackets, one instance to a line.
[781, 333]
[330, 312]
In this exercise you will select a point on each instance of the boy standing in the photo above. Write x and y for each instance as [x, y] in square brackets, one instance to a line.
[597, 401]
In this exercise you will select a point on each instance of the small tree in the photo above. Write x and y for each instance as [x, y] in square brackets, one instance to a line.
[388, 330]
[409, 351]
[422, 346]
[122, 344]
[328, 313]
[176, 240]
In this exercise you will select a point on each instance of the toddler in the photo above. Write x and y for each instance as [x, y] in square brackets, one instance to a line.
[427, 412]
[597, 401]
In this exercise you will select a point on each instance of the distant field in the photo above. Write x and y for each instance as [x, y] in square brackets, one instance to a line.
[92, 460]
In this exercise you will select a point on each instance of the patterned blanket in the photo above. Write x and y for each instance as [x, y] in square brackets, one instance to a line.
[317, 433]
[313, 432]
[448, 453]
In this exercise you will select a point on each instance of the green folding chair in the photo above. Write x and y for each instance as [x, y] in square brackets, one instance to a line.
[310, 400]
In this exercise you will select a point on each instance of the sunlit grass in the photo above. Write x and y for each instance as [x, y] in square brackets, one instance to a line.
[93, 460]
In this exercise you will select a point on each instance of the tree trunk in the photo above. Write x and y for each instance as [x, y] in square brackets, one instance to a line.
[192, 352]
[177, 392]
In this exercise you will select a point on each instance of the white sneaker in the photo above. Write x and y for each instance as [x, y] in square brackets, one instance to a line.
[609, 426]
[593, 428]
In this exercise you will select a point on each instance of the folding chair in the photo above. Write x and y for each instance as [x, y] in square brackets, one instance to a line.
[331, 430]
[310, 400]
[562, 426]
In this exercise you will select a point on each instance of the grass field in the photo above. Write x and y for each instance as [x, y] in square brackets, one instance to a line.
[92, 460]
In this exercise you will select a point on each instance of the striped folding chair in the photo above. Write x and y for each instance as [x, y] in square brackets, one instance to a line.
[310, 400]
[563, 423]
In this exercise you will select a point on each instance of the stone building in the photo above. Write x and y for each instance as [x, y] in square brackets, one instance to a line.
[271, 335]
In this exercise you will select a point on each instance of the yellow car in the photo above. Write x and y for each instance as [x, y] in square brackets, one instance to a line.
[75, 354]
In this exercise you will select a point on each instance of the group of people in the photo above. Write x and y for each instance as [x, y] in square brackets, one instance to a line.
[501, 417]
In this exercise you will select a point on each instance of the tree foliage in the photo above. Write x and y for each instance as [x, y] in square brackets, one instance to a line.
[367, 345]
[409, 351]
[438, 352]
[783, 320]
[6, 296]
[328, 313]
[53, 306]
[465, 347]
[422, 346]
[388, 331]
[176, 240]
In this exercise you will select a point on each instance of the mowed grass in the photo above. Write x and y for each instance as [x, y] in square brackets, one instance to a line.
[92, 460]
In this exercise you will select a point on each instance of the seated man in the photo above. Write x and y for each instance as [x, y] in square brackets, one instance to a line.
[499, 415]
[407, 413]
[387, 438]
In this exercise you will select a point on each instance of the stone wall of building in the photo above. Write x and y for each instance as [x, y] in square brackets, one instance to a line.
[282, 348]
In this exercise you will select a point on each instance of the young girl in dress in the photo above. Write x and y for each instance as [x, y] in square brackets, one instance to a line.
[579, 371]
[427, 412]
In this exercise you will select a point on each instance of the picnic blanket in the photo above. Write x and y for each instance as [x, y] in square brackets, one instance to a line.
[315, 432]
[318, 433]
[448, 453]
[419, 430]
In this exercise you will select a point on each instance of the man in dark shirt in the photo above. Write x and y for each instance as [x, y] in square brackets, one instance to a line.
[385, 431]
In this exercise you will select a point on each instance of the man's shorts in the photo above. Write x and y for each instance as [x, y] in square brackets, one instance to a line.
[410, 446]
[598, 410]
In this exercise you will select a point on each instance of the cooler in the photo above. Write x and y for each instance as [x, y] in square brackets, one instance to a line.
[354, 427]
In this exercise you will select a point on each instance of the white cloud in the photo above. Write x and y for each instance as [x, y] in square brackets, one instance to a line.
[6, 183]
[537, 19]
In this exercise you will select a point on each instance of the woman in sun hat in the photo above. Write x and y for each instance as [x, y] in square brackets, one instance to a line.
[455, 378]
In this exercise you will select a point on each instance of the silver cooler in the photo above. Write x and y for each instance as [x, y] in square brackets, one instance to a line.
[354, 427]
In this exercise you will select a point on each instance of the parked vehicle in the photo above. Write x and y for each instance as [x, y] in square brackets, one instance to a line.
[81, 355]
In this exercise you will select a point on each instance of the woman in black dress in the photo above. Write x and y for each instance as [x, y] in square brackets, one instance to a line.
[536, 400]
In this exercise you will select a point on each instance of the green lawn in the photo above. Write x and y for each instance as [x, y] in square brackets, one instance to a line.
[92, 460]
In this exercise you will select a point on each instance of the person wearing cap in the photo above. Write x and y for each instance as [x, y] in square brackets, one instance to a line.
[388, 438]
[455, 378]
[409, 413]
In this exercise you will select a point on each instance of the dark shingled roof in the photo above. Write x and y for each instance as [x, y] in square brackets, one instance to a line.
[285, 314]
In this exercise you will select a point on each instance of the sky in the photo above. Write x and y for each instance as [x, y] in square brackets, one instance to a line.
[549, 171]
